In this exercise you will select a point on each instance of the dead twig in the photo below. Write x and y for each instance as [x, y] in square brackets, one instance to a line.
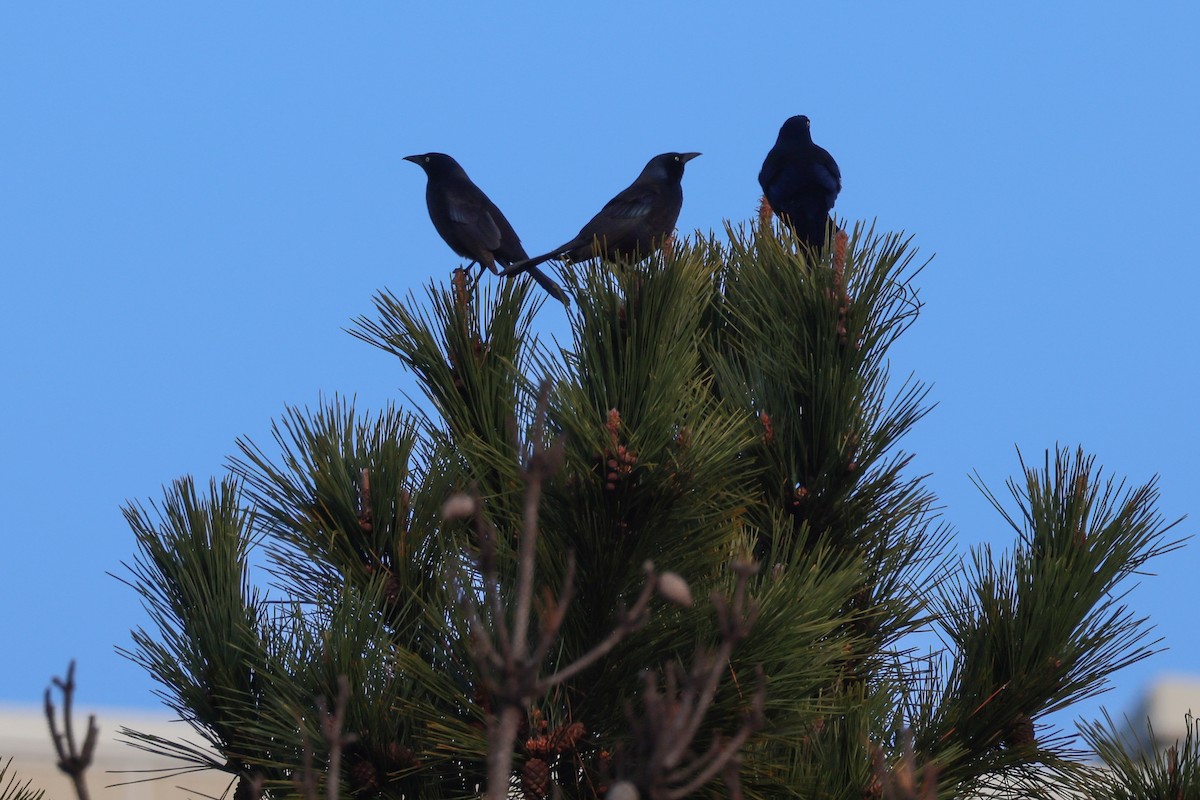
[664, 767]
[900, 781]
[72, 760]
[331, 723]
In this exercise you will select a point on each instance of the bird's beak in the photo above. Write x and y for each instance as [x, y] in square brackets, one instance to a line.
[686, 157]
[413, 159]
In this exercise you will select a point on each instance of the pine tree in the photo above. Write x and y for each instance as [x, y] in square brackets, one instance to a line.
[679, 555]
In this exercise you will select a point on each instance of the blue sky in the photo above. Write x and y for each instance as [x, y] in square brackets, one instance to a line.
[195, 199]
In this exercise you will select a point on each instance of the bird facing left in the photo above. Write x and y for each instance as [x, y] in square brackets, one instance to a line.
[470, 223]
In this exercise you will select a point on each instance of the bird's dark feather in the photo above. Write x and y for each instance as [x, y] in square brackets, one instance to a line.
[470, 223]
[631, 225]
[801, 181]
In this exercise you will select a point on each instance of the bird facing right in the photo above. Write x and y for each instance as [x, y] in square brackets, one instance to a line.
[633, 224]
[801, 181]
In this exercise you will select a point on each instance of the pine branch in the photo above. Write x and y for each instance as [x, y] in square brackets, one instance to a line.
[509, 662]
[1135, 767]
[721, 402]
[653, 466]
[470, 351]
[344, 501]
[1045, 626]
[192, 574]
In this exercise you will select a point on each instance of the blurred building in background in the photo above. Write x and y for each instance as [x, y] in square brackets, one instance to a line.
[1165, 704]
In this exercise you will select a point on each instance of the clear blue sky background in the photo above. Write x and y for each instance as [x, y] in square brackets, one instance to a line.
[196, 198]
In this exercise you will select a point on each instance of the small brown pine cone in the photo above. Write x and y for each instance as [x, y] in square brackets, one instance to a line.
[398, 756]
[683, 439]
[566, 737]
[841, 240]
[459, 282]
[539, 746]
[364, 776]
[764, 212]
[1020, 732]
[768, 428]
[535, 779]
[392, 590]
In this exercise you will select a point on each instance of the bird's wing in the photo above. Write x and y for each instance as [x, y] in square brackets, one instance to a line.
[472, 215]
[828, 174]
[631, 203]
[768, 176]
[784, 184]
[784, 177]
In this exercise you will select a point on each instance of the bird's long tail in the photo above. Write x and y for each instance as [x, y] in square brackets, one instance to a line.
[544, 280]
[530, 264]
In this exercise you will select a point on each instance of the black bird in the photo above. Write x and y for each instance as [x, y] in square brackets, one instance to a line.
[470, 222]
[801, 181]
[634, 223]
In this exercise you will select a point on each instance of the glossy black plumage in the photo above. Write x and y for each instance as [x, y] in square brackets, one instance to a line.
[801, 181]
[633, 224]
[470, 222]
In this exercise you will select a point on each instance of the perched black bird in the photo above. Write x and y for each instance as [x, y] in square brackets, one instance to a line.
[633, 224]
[470, 222]
[801, 181]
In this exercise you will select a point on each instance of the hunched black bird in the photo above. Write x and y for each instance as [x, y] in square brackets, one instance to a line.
[470, 222]
[633, 224]
[801, 181]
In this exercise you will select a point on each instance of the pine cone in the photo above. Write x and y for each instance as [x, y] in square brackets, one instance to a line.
[1020, 732]
[462, 295]
[538, 746]
[393, 588]
[764, 212]
[841, 241]
[566, 737]
[399, 757]
[364, 777]
[535, 779]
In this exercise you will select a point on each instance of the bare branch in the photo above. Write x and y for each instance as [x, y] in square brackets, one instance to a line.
[899, 782]
[71, 760]
[664, 766]
[725, 758]
[627, 623]
[557, 613]
[331, 725]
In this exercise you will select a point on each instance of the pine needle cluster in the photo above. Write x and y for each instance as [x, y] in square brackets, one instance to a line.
[727, 402]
